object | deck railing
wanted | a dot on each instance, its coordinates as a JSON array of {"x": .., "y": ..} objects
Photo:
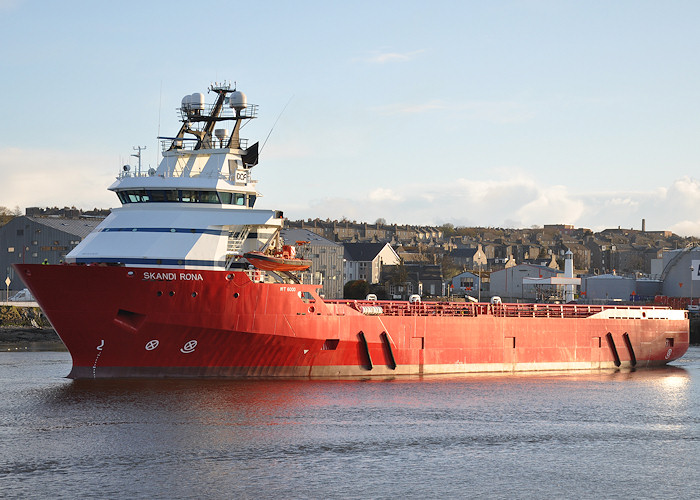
[{"x": 399, "y": 308}]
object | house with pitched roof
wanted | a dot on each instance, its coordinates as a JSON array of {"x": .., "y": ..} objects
[
  {"x": 469, "y": 258},
  {"x": 364, "y": 261}
]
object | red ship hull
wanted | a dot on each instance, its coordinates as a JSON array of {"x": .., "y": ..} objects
[{"x": 119, "y": 322}]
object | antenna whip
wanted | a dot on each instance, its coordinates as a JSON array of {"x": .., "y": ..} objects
[{"x": 273, "y": 125}]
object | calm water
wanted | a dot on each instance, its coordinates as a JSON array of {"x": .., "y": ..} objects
[{"x": 592, "y": 435}]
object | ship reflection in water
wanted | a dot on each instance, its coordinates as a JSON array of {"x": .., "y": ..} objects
[{"x": 580, "y": 435}]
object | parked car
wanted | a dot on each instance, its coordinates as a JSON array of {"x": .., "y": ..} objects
[{"x": 22, "y": 296}]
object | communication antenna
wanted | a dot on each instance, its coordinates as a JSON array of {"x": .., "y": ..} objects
[
  {"x": 273, "y": 125},
  {"x": 160, "y": 102},
  {"x": 138, "y": 155}
]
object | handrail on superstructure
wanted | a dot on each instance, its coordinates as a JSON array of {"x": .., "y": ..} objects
[
  {"x": 175, "y": 175},
  {"x": 225, "y": 113},
  {"x": 188, "y": 145}
]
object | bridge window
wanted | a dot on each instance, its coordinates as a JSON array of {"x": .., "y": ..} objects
[
  {"x": 185, "y": 196},
  {"x": 137, "y": 196},
  {"x": 167, "y": 196},
  {"x": 240, "y": 199},
  {"x": 189, "y": 196},
  {"x": 208, "y": 197}
]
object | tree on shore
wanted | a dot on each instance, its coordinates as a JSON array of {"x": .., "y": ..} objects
[
  {"x": 6, "y": 215},
  {"x": 356, "y": 289},
  {"x": 449, "y": 268}
]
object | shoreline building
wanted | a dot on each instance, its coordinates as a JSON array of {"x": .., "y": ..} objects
[{"x": 33, "y": 240}]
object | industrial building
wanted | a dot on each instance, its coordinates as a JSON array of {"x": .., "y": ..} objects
[{"x": 40, "y": 239}]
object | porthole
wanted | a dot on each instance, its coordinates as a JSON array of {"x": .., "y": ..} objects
[
  {"x": 159, "y": 293},
  {"x": 235, "y": 295},
  {"x": 171, "y": 293},
  {"x": 194, "y": 294}
]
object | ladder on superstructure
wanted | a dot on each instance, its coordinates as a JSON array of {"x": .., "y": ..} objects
[
  {"x": 235, "y": 244},
  {"x": 236, "y": 240}
]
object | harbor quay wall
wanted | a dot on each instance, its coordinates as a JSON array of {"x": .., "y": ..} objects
[
  {"x": 27, "y": 314},
  {"x": 24, "y": 327}
]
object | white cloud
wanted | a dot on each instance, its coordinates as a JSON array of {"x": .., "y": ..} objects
[
  {"x": 519, "y": 202},
  {"x": 56, "y": 178},
  {"x": 551, "y": 205},
  {"x": 686, "y": 228},
  {"x": 382, "y": 194},
  {"x": 685, "y": 191}
]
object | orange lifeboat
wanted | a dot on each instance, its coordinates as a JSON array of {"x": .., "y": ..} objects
[{"x": 285, "y": 260}]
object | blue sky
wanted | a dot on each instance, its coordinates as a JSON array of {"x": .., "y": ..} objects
[{"x": 489, "y": 113}]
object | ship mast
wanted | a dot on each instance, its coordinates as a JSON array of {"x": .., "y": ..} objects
[
  {"x": 194, "y": 112},
  {"x": 138, "y": 155}
]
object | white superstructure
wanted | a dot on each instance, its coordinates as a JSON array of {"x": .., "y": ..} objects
[{"x": 196, "y": 210}]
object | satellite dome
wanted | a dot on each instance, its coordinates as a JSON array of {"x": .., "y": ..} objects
[
  {"x": 238, "y": 100},
  {"x": 197, "y": 101}
]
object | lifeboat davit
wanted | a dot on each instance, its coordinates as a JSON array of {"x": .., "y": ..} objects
[{"x": 284, "y": 261}]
